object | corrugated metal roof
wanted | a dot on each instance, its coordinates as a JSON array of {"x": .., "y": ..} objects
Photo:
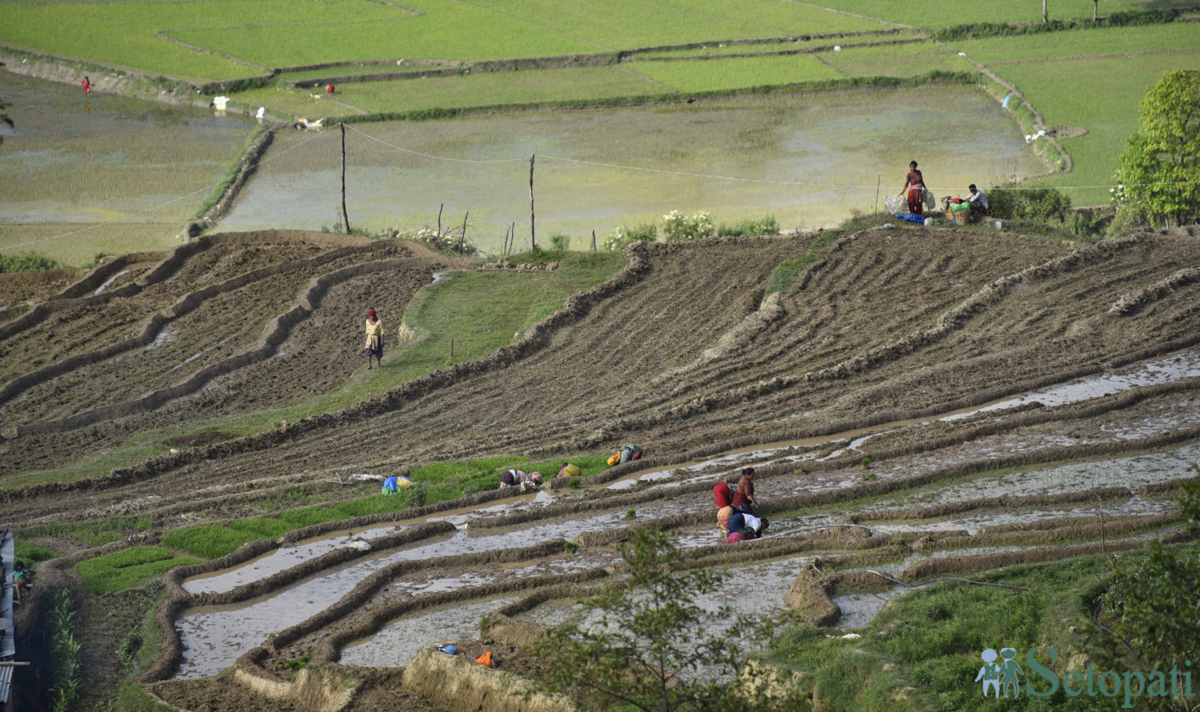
[
  {"x": 8, "y": 643},
  {"x": 6, "y": 675}
]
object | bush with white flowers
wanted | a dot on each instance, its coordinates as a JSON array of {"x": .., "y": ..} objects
[{"x": 677, "y": 227}]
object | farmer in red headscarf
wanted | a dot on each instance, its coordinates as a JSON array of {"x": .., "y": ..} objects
[
  {"x": 87, "y": 86},
  {"x": 374, "y": 348}
]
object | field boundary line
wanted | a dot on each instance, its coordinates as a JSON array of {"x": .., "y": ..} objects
[
  {"x": 1113, "y": 55},
  {"x": 624, "y": 66},
  {"x": 162, "y": 35}
]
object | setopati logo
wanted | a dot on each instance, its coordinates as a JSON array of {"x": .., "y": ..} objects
[{"x": 1001, "y": 676}]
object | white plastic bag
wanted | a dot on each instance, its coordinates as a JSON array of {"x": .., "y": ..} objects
[
  {"x": 930, "y": 201},
  {"x": 895, "y": 204}
]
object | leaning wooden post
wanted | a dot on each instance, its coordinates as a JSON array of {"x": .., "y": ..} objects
[
  {"x": 345, "y": 215},
  {"x": 532, "y": 218},
  {"x": 593, "y": 240},
  {"x": 463, "y": 237},
  {"x": 878, "y": 182}
]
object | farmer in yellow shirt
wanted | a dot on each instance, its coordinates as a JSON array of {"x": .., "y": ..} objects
[{"x": 374, "y": 348}]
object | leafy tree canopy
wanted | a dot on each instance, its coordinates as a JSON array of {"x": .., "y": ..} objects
[{"x": 1159, "y": 177}]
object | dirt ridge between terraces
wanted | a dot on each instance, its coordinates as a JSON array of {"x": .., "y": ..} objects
[
  {"x": 277, "y": 332},
  {"x": 154, "y": 325},
  {"x": 77, "y": 293},
  {"x": 954, "y": 320}
]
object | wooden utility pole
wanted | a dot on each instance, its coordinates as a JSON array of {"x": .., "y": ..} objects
[
  {"x": 345, "y": 215},
  {"x": 1045, "y": 14},
  {"x": 593, "y": 240},
  {"x": 532, "y": 217},
  {"x": 439, "y": 232}
]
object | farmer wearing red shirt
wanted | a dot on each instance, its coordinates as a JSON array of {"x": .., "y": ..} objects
[
  {"x": 914, "y": 183},
  {"x": 744, "y": 499}
]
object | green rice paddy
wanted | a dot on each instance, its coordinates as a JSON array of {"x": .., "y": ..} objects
[
  {"x": 1101, "y": 96},
  {"x": 1115, "y": 40},
  {"x": 947, "y": 13}
]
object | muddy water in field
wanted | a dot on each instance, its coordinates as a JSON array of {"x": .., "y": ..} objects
[
  {"x": 214, "y": 637},
  {"x": 397, "y": 644},
  {"x": 75, "y": 163},
  {"x": 600, "y": 169}
]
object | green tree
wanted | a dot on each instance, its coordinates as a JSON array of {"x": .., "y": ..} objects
[
  {"x": 1159, "y": 175},
  {"x": 650, "y": 647}
]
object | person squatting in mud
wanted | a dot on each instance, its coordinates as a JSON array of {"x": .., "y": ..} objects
[
  {"x": 374, "y": 347},
  {"x": 746, "y": 527},
  {"x": 629, "y": 453},
  {"x": 724, "y": 498},
  {"x": 516, "y": 478}
]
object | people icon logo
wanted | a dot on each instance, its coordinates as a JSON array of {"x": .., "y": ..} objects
[{"x": 1002, "y": 676}]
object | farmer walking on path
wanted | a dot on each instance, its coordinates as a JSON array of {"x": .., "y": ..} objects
[
  {"x": 914, "y": 183},
  {"x": 374, "y": 348}
]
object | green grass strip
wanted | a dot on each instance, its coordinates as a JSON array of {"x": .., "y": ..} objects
[
  {"x": 440, "y": 481},
  {"x": 127, "y": 567}
]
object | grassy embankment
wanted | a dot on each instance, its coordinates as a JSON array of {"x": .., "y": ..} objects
[
  {"x": 478, "y": 311},
  {"x": 923, "y": 650},
  {"x": 1071, "y": 80}
]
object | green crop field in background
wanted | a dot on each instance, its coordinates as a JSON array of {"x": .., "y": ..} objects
[
  {"x": 904, "y": 60},
  {"x": 123, "y": 33},
  {"x": 624, "y": 24},
  {"x": 735, "y": 72},
  {"x": 1076, "y": 43},
  {"x": 447, "y": 31},
  {"x": 947, "y": 13},
  {"x": 1100, "y": 95}
]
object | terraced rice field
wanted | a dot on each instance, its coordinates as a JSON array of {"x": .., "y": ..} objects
[{"x": 1018, "y": 401}]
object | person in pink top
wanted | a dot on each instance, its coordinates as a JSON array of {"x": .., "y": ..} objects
[{"x": 914, "y": 183}]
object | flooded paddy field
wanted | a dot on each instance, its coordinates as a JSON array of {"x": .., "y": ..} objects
[
  {"x": 80, "y": 176},
  {"x": 806, "y": 159}
]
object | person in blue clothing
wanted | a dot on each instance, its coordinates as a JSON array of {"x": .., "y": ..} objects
[{"x": 393, "y": 484}]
